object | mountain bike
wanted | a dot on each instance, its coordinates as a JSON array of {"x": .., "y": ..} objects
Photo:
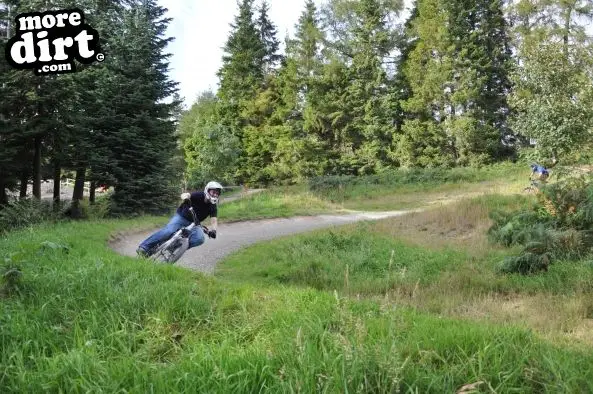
[
  {"x": 173, "y": 248},
  {"x": 533, "y": 188},
  {"x": 537, "y": 184}
]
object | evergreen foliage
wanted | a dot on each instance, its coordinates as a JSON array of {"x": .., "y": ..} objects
[
  {"x": 108, "y": 123},
  {"x": 356, "y": 90}
]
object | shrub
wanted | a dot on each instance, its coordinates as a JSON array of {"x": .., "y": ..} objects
[
  {"x": 27, "y": 212},
  {"x": 557, "y": 227},
  {"x": 528, "y": 263}
]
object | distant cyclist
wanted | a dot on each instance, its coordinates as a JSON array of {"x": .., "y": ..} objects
[{"x": 540, "y": 172}]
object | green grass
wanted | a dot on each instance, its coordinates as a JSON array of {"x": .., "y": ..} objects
[
  {"x": 369, "y": 260},
  {"x": 402, "y": 189},
  {"x": 383, "y": 306},
  {"x": 356, "y": 260},
  {"x": 351, "y": 258},
  {"x": 81, "y": 318},
  {"x": 438, "y": 261},
  {"x": 275, "y": 202},
  {"x": 391, "y": 191}
]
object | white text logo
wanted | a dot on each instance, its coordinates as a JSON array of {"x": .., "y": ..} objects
[{"x": 48, "y": 42}]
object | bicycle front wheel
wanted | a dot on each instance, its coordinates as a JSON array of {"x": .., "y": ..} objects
[{"x": 171, "y": 251}]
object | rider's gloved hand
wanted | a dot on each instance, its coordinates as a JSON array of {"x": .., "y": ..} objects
[
  {"x": 212, "y": 233},
  {"x": 185, "y": 196}
]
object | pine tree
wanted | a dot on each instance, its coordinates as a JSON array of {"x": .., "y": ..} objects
[
  {"x": 459, "y": 78},
  {"x": 369, "y": 132},
  {"x": 305, "y": 48},
  {"x": 9, "y": 145},
  {"x": 106, "y": 122},
  {"x": 241, "y": 74},
  {"x": 277, "y": 147},
  {"x": 480, "y": 85},
  {"x": 400, "y": 89},
  {"x": 144, "y": 143},
  {"x": 267, "y": 33},
  {"x": 30, "y": 110},
  {"x": 428, "y": 69}
]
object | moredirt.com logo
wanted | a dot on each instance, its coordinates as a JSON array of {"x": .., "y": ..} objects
[{"x": 48, "y": 42}]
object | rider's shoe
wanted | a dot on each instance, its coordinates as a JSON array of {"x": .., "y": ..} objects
[{"x": 142, "y": 253}]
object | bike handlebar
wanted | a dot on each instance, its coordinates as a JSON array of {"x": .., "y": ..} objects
[{"x": 196, "y": 221}]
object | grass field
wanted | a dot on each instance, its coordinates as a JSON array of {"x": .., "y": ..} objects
[
  {"x": 409, "y": 304},
  {"x": 389, "y": 192},
  {"x": 438, "y": 261}
]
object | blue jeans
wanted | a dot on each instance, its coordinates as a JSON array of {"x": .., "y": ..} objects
[{"x": 196, "y": 237}]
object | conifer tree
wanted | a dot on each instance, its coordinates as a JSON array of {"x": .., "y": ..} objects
[
  {"x": 278, "y": 149},
  {"x": 480, "y": 85},
  {"x": 400, "y": 89},
  {"x": 267, "y": 32},
  {"x": 144, "y": 143},
  {"x": 459, "y": 78},
  {"x": 9, "y": 144},
  {"x": 241, "y": 74},
  {"x": 429, "y": 68},
  {"x": 305, "y": 48}
]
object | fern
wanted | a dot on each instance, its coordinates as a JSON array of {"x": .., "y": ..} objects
[{"x": 558, "y": 227}]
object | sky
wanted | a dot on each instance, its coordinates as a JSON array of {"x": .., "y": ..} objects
[{"x": 201, "y": 28}]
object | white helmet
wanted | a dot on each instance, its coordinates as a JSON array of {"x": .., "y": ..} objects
[{"x": 212, "y": 185}]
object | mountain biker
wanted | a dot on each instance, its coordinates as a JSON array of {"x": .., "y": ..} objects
[
  {"x": 204, "y": 205},
  {"x": 541, "y": 173}
]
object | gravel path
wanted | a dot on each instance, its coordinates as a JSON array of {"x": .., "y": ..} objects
[{"x": 234, "y": 236}]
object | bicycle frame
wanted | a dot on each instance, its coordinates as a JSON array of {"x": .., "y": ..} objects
[{"x": 181, "y": 234}]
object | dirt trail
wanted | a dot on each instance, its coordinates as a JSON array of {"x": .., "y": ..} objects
[{"x": 236, "y": 235}]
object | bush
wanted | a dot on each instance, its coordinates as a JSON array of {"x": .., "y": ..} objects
[
  {"x": 28, "y": 212},
  {"x": 520, "y": 228},
  {"x": 558, "y": 226},
  {"x": 31, "y": 211},
  {"x": 528, "y": 263}
]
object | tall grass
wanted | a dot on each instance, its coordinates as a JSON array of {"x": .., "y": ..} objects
[
  {"x": 394, "y": 190},
  {"x": 403, "y": 188},
  {"x": 85, "y": 319},
  {"x": 350, "y": 187},
  {"x": 439, "y": 261},
  {"x": 18, "y": 214},
  {"x": 276, "y": 202},
  {"x": 405, "y": 176}
]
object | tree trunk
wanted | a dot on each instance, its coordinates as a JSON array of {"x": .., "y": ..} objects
[
  {"x": 92, "y": 193},
  {"x": 566, "y": 31},
  {"x": 3, "y": 194},
  {"x": 57, "y": 174},
  {"x": 37, "y": 168},
  {"x": 78, "y": 193},
  {"x": 24, "y": 183},
  {"x": 26, "y": 170}
]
